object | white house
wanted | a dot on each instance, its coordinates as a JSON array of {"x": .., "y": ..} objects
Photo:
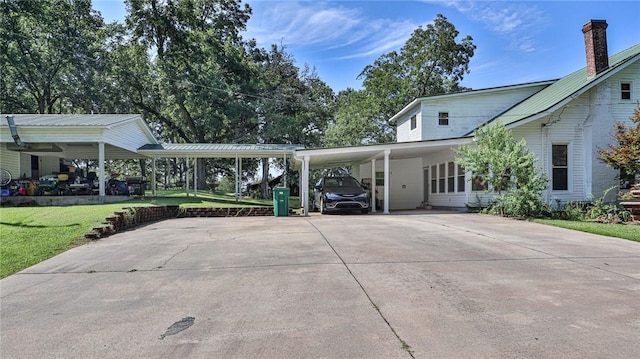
[{"x": 564, "y": 122}]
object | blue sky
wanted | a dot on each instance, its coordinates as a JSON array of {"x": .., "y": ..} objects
[{"x": 517, "y": 41}]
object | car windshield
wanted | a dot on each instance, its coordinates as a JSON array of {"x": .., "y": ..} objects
[{"x": 341, "y": 182}]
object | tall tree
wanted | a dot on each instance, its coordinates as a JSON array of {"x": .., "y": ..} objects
[
  {"x": 51, "y": 52},
  {"x": 357, "y": 121},
  {"x": 193, "y": 86},
  {"x": 295, "y": 104},
  {"x": 431, "y": 62}
]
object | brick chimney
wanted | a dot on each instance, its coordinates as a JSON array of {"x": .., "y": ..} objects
[{"x": 595, "y": 42}]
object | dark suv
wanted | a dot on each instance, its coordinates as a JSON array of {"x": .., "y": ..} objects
[{"x": 344, "y": 193}]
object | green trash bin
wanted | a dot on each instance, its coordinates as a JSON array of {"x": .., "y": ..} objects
[{"x": 281, "y": 201}]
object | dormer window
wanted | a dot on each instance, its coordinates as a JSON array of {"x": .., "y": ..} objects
[
  {"x": 625, "y": 90},
  {"x": 443, "y": 118},
  {"x": 413, "y": 122}
]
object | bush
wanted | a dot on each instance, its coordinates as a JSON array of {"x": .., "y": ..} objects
[
  {"x": 573, "y": 211},
  {"x": 603, "y": 212},
  {"x": 520, "y": 202}
]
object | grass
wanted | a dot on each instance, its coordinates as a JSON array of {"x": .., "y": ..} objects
[
  {"x": 29, "y": 235},
  {"x": 626, "y": 231}
]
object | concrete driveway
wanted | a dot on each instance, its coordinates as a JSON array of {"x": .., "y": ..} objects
[{"x": 418, "y": 284}]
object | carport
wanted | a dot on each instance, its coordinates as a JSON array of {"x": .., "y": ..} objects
[
  {"x": 213, "y": 150},
  {"x": 103, "y": 137},
  {"x": 95, "y": 137},
  {"x": 357, "y": 155}
]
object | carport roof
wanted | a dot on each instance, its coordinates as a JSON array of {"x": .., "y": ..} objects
[
  {"x": 346, "y": 156},
  {"x": 218, "y": 150},
  {"x": 78, "y": 136}
]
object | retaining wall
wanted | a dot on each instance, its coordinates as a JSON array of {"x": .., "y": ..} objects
[{"x": 131, "y": 217}]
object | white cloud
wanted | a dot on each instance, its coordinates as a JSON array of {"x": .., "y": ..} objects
[
  {"x": 326, "y": 26},
  {"x": 516, "y": 22}
]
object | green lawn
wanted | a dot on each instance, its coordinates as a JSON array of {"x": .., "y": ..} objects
[
  {"x": 626, "y": 231},
  {"x": 29, "y": 235}
]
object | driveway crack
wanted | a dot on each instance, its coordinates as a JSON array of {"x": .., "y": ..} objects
[
  {"x": 405, "y": 346},
  {"x": 175, "y": 255}
]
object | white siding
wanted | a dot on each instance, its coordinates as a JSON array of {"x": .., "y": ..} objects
[
  {"x": 49, "y": 165},
  {"x": 563, "y": 127},
  {"x": 468, "y": 112},
  {"x": 623, "y": 109},
  {"x": 10, "y": 160},
  {"x": 405, "y": 190},
  {"x": 129, "y": 136},
  {"x": 404, "y": 133}
]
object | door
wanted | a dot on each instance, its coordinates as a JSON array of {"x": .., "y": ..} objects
[{"x": 35, "y": 167}]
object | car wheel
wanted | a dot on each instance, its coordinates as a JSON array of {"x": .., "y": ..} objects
[
  {"x": 323, "y": 209},
  {"x": 364, "y": 211}
]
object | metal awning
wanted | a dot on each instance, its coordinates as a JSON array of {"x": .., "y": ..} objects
[{"x": 214, "y": 150}]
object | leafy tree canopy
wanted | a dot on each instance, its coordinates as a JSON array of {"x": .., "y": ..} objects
[{"x": 431, "y": 62}]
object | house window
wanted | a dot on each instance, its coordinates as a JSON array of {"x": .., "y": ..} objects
[
  {"x": 441, "y": 178},
  {"x": 560, "y": 167},
  {"x": 443, "y": 118},
  {"x": 478, "y": 183},
  {"x": 434, "y": 179},
  {"x": 379, "y": 178},
  {"x": 451, "y": 177},
  {"x": 460, "y": 179},
  {"x": 413, "y": 122},
  {"x": 625, "y": 90}
]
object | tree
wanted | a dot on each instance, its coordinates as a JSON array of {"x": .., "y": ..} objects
[
  {"x": 505, "y": 166},
  {"x": 294, "y": 107},
  {"x": 357, "y": 121},
  {"x": 431, "y": 62},
  {"x": 51, "y": 54},
  {"x": 189, "y": 71},
  {"x": 624, "y": 155}
]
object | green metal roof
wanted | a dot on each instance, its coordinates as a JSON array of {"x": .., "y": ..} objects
[
  {"x": 563, "y": 89},
  {"x": 217, "y": 150},
  {"x": 221, "y": 147}
]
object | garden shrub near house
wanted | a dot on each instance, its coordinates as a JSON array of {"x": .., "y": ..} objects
[{"x": 508, "y": 168}]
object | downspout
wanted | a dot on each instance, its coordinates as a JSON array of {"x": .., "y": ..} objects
[{"x": 14, "y": 133}]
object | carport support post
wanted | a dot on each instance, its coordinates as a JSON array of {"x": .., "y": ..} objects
[
  {"x": 103, "y": 176},
  {"x": 237, "y": 181},
  {"x": 386, "y": 181},
  {"x": 186, "y": 177},
  {"x": 373, "y": 185},
  {"x": 195, "y": 177},
  {"x": 304, "y": 191},
  {"x": 153, "y": 177}
]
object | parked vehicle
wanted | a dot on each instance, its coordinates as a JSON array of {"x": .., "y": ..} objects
[{"x": 336, "y": 194}]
